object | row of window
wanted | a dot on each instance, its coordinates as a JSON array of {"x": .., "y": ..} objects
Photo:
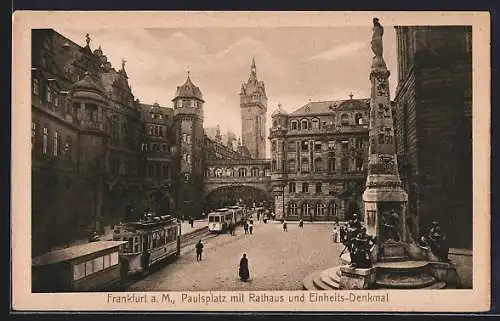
[
  {"x": 59, "y": 147},
  {"x": 319, "y": 165},
  {"x": 241, "y": 172},
  {"x": 188, "y": 103},
  {"x": 317, "y": 146},
  {"x": 154, "y": 147},
  {"x": 158, "y": 170},
  {"x": 51, "y": 94},
  {"x": 310, "y": 208},
  {"x": 158, "y": 116},
  {"x": 315, "y": 123},
  {"x": 95, "y": 265},
  {"x": 157, "y": 130}
]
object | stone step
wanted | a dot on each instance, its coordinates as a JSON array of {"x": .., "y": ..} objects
[
  {"x": 320, "y": 284},
  {"x": 394, "y": 258},
  {"x": 404, "y": 267},
  {"x": 328, "y": 280},
  {"x": 402, "y": 281},
  {"x": 435, "y": 286},
  {"x": 307, "y": 282}
]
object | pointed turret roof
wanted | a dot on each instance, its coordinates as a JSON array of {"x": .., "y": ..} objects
[
  {"x": 188, "y": 90},
  {"x": 279, "y": 111}
]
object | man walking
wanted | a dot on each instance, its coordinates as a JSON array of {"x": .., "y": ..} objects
[
  {"x": 199, "y": 250},
  {"x": 250, "y": 227},
  {"x": 285, "y": 228}
]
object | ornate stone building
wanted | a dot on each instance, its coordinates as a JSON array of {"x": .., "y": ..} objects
[
  {"x": 318, "y": 159},
  {"x": 253, "y": 104},
  {"x": 98, "y": 154},
  {"x": 433, "y": 127}
]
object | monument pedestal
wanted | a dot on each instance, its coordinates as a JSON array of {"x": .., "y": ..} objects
[
  {"x": 392, "y": 251},
  {"x": 357, "y": 278},
  {"x": 445, "y": 272}
]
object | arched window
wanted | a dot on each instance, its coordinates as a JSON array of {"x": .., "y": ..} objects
[
  {"x": 315, "y": 123},
  {"x": 230, "y": 172},
  {"x": 294, "y": 125},
  {"x": 320, "y": 209},
  {"x": 304, "y": 146},
  {"x": 254, "y": 171},
  {"x": 359, "y": 119},
  {"x": 242, "y": 172},
  {"x": 45, "y": 139},
  {"x": 318, "y": 165},
  {"x": 306, "y": 209},
  {"x": 292, "y": 209},
  {"x": 304, "y": 165},
  {"x": 218, "y": 172},
  {"x": 344, "y": 120},
  {"x": 332, "y": 209},
  {"x": 291, "y": 166},
  {"x": 304, "y": 124}
]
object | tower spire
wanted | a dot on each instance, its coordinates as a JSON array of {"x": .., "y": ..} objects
[{"x": 253, "y": 67}]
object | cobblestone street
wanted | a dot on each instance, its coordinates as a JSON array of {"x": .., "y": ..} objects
[{"x": 278, "y": 260}]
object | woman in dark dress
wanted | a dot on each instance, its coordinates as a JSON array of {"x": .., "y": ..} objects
[{"x": 244, "y": 273}]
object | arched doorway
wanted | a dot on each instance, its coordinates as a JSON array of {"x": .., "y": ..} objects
[{"x": 231, "y": 195}]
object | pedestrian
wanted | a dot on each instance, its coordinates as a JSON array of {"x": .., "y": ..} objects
[
  {"x": 245, "y": 227},
  {"x": 301, "y": 223},
  {"x": 191, "y": 221},
  {"x": 250, "y": 227},
  {"x": 335, "y": 234},
  {"x": 233, "y": 228},
  {"x": 199, "y": 250},
  {"x": 244, "y": 273},
  {"x": 285, "y": 228}
]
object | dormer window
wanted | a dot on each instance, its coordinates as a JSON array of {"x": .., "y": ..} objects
[
  {"x": 315, "y": 123},
  {"x": 359, "y": 119},
  {"x": 304, "y": 124},
  {"x": 344, "y": 120},
  {"x": 179, "y": 103},
  {"x": 294, "y": 124}
]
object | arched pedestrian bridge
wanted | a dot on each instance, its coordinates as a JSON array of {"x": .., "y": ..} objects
[{"x": 228, "y": 180}]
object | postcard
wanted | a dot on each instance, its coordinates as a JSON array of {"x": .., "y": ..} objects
[{"x": 251, "y": 161}]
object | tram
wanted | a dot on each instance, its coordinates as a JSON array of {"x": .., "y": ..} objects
[
  {"x": 220, "y": 219},
  {"x": 93, "y": 266},
  {"x": 150, "y": 240}
]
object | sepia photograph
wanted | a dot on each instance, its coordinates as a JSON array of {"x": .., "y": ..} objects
[{"x": 242, "y": 164}]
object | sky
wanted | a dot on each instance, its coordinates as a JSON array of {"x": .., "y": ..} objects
[{"x": 296, "y": 64}]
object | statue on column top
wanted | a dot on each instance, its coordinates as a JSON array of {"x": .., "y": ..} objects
[{"x": 378, "y": 32}]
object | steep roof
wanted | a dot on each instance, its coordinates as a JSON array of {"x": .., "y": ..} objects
[
  {"x": 326, "y": 107},
  {"x": 188, "y": 90}
]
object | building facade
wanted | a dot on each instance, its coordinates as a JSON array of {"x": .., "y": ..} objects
[
  {"x": 319, "y": 156},
  {"x": 253, "y": 104},
  {"x": 99, "y": 154},
  {"x": 433, "y": 125}
]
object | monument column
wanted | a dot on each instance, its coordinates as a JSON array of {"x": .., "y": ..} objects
[{"x": 384, "y": 198}]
